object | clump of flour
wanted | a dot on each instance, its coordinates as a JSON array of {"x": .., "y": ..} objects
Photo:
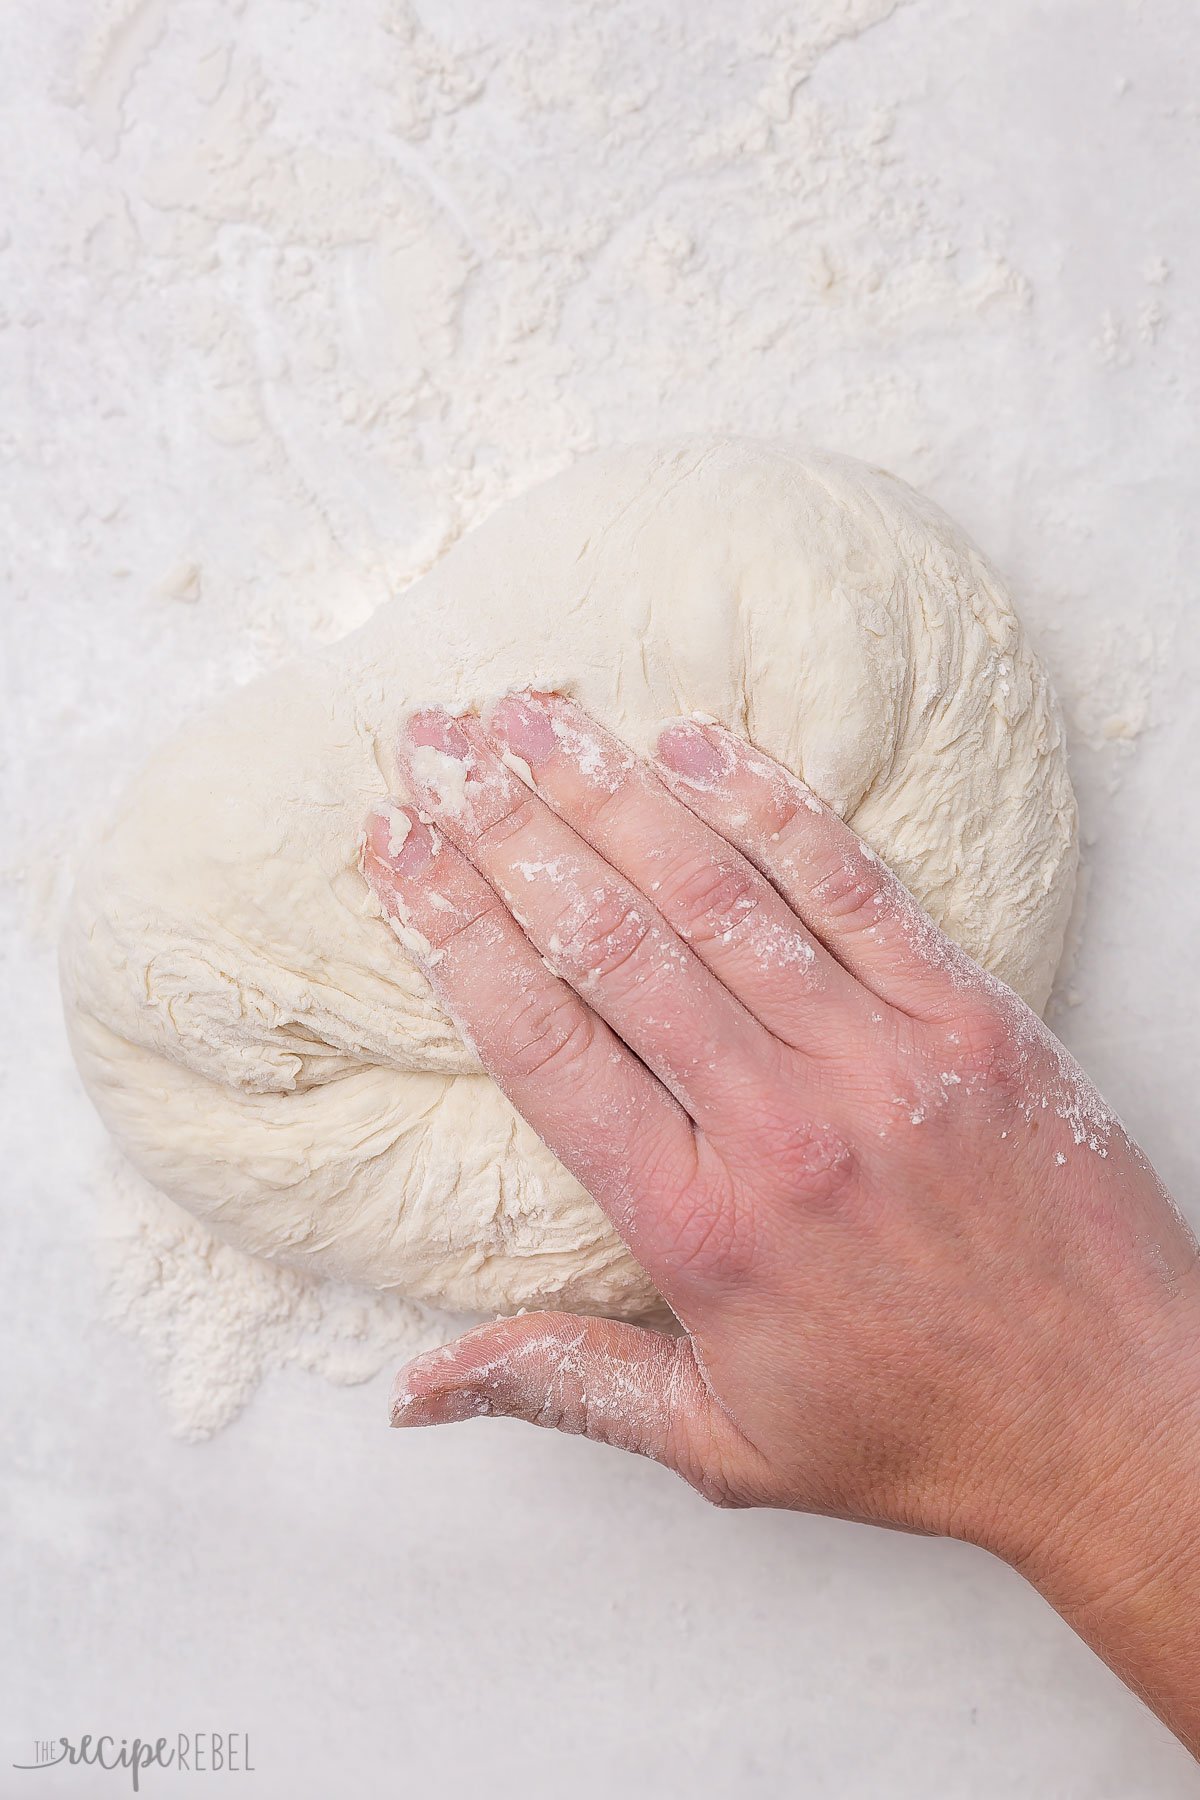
[{"x": 213, "y": 1322}]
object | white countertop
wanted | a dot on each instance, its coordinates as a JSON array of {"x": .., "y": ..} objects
[{"x": 290, "y": 294}]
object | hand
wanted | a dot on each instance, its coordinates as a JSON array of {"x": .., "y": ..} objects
[{"x": 924, "y": 1277}]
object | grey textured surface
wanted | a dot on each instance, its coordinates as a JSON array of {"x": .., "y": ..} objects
[{"x": 290, "y": 296}]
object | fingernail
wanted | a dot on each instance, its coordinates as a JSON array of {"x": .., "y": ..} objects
[
  {"x": 439, "y": 756},
  {"x": 413, "y": 1403},
  {"x": 524, "y": 727},
  {"x": 433, "y": 728},
  {"x": 686, "y": 750},
  {"x": 451, "y": 1408},
  {"x": 400, "y": 839}
]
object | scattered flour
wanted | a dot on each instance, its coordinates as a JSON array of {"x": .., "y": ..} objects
[
  {"x": 1110, "y": 706},
  {"x": 213, "y": 1321}
]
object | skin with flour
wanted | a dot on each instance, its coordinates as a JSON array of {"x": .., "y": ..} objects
[{"x": 925, "y": 1279}]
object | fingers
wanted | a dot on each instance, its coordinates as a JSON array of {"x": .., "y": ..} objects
[
  {"x": 854, "y": 905},
  {"x": 617, "y": 1384},
  {"x": 593, "y": 926},
  {"x": 729, "y": 914},
  {"x": 599, "y": 1109}
]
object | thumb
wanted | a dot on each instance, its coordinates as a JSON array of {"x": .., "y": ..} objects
[{"x": 624, "y": 1385}]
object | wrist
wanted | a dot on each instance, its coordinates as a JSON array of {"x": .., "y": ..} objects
[{"x": 1112, "y": 1540}]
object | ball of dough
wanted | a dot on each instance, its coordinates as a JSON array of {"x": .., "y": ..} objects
[{"x": 246, "y": 1022}]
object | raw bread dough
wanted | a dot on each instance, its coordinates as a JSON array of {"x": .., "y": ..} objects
[{"x": 247, "y": 1024}]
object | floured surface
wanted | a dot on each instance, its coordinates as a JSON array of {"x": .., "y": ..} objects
[
  {"x": 290, "y": 298},
  {"x": 215, "y": 1321}
]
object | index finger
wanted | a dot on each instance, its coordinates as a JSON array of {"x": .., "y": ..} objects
[{"x": 592, "y": 1102}]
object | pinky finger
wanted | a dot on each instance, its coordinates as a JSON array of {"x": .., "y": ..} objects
[{"x": 855, "y": 906}]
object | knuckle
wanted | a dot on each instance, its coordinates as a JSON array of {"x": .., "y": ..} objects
[
  {"x": 545, "y": 1032},
  {"x": 605, "y": 802},
  {"x": 782, "y": 803},
  {"x": 709, "y": 900},
  {"x": 796, "y": 822},
  {"x": 516, "y": 815},
  {"x": 713, "y": 1459},
  {"x": 474, "y": 920},
  {"x": 602, "y": 935},
  {"x": 853, "y": 891},
  {"x": 984, "y": 1052},
  {"x": 814, "y": 1164}
]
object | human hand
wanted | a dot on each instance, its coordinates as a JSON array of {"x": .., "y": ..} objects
[{"x": 925, "y": 1278}]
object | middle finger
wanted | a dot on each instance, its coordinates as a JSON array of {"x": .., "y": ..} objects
[
  {"x": 594, "y": 928},
  {"x": 719, "y": 903}
]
